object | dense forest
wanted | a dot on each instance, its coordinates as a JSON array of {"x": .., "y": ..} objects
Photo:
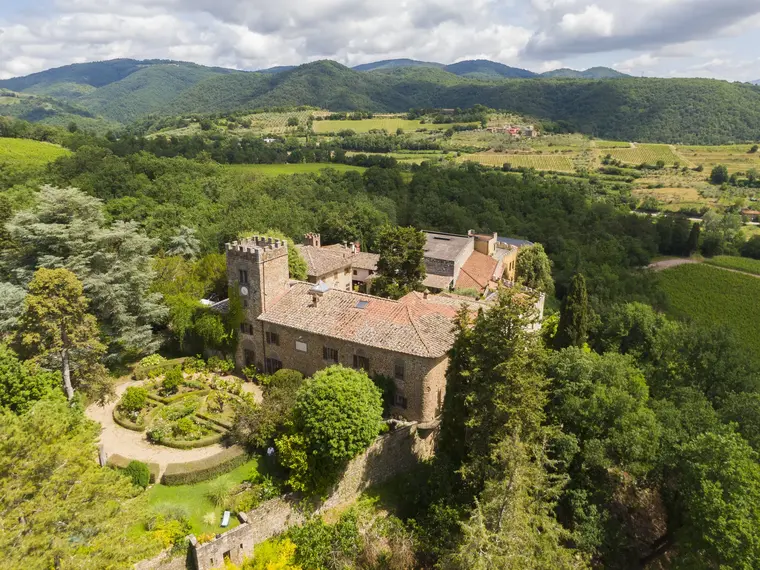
[
  {"x": 691, "y": 111},
  {"x": 615, "y": 437}
]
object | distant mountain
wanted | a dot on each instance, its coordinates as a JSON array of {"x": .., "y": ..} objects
[
  {"x": 393, "y": 63},
  {"x": 277, "y": 69},
  {"x": 755, "y": 82},
  {"x": 485, "y": 69},
  {"x": 591, "y": 73},
  {"x": 102, "y": 96}
]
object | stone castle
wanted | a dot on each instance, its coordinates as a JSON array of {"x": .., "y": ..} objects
[{"x": 307, "y": 326}]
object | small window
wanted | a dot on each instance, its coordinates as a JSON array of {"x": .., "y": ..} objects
[
  {"x": 243, "y": 277},
  {"x": 398, "y": 371},
  {"x": 301, "y": 346},
  {"x": 245, "y": 303},
  {"x": 243, "y": 327},
  {"x": 361, "y": 362},
  {"x": 356, "y": 272},
  {"x": 329, "y": 354},
  {"x": 272, "y": 365},
  {"x": 362, "y": 304},
  {"x": 401, "y": 401},
  {"x": 273, "y": 338}
]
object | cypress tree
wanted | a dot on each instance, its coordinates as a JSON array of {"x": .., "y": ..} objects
[
  {"x": 692, "y": 245},
  {"x": 573, "y": 319}
]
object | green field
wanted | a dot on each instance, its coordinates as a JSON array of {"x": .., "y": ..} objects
[
  {"x": 744, "y": 264},
  {"x": 278, "y": 169},
  {"x": 645, "y": 153},
  {"x": 194, "y": 499},
  {"x": 555, "y": 162},
  {"x": 711, "y": 296},
  {"x": 27, "y": 153},
  {"x": 612, "y": 144}
]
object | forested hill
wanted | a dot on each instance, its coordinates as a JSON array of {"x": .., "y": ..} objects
[{"x": 698, "y": 111}]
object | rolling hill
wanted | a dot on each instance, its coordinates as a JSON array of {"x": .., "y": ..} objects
[
  {"x": 591, "y": 73},
  {"x": 693, "y": 111},
  {"x": 393, "y": 63}
]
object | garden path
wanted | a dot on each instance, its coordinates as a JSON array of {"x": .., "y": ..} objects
[{"x": 132, "y": 444}]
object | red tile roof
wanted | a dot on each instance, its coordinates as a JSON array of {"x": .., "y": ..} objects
[{"x": 477, "y": 272}]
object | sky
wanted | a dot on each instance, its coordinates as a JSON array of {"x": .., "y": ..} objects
[{"x": 664, "y": 38}]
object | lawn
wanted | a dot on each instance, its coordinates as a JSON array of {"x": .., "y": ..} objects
[
  {"x": 744, "y": 264},
  {"x": 712, "y": 296},
  {"x": 28, "y": 153},
  {"x": 194, "y": 499},
  {"x": 278, "y": 169}
]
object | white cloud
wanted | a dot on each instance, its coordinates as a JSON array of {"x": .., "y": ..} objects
[{"x": 252, "y": 34}]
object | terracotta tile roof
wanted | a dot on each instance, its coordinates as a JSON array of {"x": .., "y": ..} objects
[
  {"x": 437, "y": 281},
  {"x": 321, "y": 261},
  {"x": 365, "y": 260},
  {"x": 410, "y": 326},
  {"x": 477, "y": 272}
]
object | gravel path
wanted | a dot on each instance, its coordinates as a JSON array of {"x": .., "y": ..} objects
[
  {"x": 668, "y": 263},
  {"x": 132, "y": 444}
]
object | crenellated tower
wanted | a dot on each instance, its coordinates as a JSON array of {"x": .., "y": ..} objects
[{"x": 258, "y": 268}]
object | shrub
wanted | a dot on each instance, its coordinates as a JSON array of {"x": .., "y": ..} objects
[
  {"x": 250, "y": 373},
  {"x": 159, "y": 431},
  {"x": 337, "y": 414},
  {"x": 204, "y": 469},
  {"x": 194, "y": 443},
  {"x": 133, "y": 400},
  {"x": 210, "y": 518},
  {"x": 186, "y": 428},
  {"x": 172, "y": 380},
  {"x": 139, "y": 473},
  {"x": 127, "y": 423},
  {"x": 120, "y": 462},
  {"x": 219, "y": 491},
  {"x": 170, "y": 532},
  {"x": 194, "y": 364},
  {"x": 151, "y": 360},
  {"x": 146, "y": 372},
  {"x": 215, "y": 403},
  {"x": 220, "y": 365},
  {"x": 180, "y": 409}
]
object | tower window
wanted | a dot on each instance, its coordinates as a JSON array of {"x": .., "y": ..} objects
[
  {"x": 243, "y": 276},
  {"x": 398, "y": 371},
  {"x": 273, "y": 338}
]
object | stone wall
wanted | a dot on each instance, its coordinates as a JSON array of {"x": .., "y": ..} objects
[
  {"x": 390, "y": 455},
  {"x": 165, "y": 561},
  {"x": 233, "y": 545}
]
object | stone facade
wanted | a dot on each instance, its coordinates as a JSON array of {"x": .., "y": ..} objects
[
  {"x": 419, "y": 390},
  {"x": 341, "y": 279},
  {"x": 509, "y": 261}
]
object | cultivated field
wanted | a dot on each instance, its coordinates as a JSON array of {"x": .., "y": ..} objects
[
  {"x": 553, "y": 162},
  {"x": 390, "y": 124},
  {"x": 645, "y": 153},
  {"x": 715, "y": 297},
  {"x": 28, "y": 153},
  {"x": 736, "y": 157},
  {"x": 674, "y": 198},
  {"x": 745, "y": 264},
  {"x": 612, "y": 144},
  {"x": 278, "y": 169}
]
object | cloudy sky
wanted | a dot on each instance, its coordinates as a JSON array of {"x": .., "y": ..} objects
[{"x": 706, "y": 38}]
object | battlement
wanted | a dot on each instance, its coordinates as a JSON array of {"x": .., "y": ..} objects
[{"x": 259, "y": 248}]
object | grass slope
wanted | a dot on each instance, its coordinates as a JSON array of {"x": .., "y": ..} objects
[
  {"x": 25, "y": 153},
  {"x": 194, "y": 499},
  {"x": 713, "y": 296}
]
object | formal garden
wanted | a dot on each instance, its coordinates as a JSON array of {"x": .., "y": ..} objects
[{"x": 182, "y": 403}]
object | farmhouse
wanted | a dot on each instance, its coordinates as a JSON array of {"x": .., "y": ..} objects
[
  {"x": 341, "y": 266},
  {"x": 308, "y": 326}
]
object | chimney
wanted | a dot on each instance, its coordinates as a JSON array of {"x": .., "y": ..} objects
[
  {"x": 317, "y": 291},
  {"x": 353, "y": 247},
  {"x": 312, "y": 239},
  {"x": 425, "y": 294}
]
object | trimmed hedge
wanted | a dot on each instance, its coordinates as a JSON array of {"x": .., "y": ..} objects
[
  {"x": 192, "y": 443},
  {"x": 142, "y": 372},
  {"x": 120, "y": 462},
  {"x": 176, "y": 397},
  {"x": 204, "y": 469},
  {"x": 124, "y": 422},
  {"x": 220, "y": 423}
]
